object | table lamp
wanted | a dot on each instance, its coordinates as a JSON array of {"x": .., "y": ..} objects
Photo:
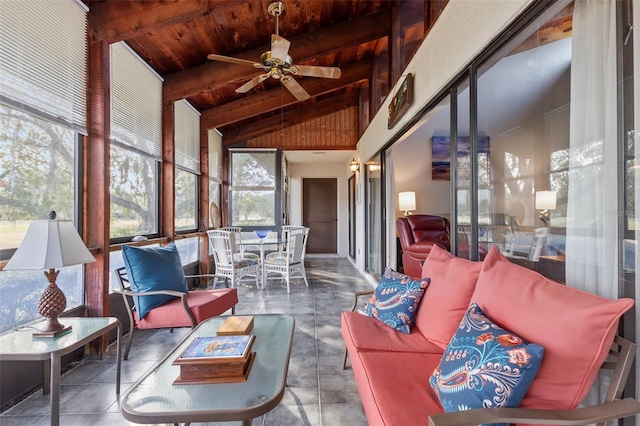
[
  {"x": 545, "y": 201},
  {"x": 50, "y": 244},
  {"x": 407, "y": 202}
]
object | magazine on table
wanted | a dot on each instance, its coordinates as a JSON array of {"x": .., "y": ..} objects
[{"x": 217, "y": 349}]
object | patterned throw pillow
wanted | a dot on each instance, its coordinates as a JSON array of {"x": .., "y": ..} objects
[
  {"x": 396, "y": 300},
  {"x": 484, "y": 366}
]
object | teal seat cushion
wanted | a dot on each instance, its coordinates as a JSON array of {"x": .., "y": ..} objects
[{"x": 152, "y": 269}]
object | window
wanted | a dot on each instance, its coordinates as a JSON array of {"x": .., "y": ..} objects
[
  {"x": 136, "y": 118},
  {"x": 42, "y": 113},
  {"x": 215, "y": 168},
  {"x": 187, "y": 146},
  {"x": 186, "y": 199},
  {"x": 252, "y": 193},
  {"x": 374, "y": 211}
]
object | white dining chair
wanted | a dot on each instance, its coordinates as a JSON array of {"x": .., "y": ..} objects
[
  {"x": 236, "y": 238},
  {"x": 290, "y": 262},
  {"x": 231, "y": 265}
]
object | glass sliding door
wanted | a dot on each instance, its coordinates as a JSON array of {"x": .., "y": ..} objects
[
  {"x": 523, "y": 98},
  {"x": 352, "y": 216},
  {"x": 374, "y": 206},
  {"x": 461, "y": 158}
]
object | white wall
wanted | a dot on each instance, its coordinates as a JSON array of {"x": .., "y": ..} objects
[
  {"x": 461, "y": 32},
  {"x": 299, "y": 171}
]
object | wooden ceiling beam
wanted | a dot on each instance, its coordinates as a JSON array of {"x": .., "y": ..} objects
[
  {"x": 114, "y": 21},
  {"x": 254, "y": 105},
  {"x": 290, "y": 118},
  {"x": 304, "y": 47}
]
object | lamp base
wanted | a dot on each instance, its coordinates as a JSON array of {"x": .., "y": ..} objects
[
  {"x": 51, "y": 304},
  {"x": 45, "y": 332}
]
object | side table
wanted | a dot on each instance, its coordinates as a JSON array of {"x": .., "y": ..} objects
[{"x": 21, "y": 345}]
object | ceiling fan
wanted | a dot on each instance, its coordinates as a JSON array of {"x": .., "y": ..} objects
[{"x": 277, "y": 63}]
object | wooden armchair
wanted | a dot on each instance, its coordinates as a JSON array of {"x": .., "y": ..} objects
[{"x": 186, "y": 310}]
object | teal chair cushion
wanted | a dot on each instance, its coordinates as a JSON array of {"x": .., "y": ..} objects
[{"x": 150, "y": 269}]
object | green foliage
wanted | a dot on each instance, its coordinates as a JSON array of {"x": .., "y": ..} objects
[{"x": 36, "y": 167}]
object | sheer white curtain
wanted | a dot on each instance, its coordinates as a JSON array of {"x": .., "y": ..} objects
[
  {"x": 636, "y": 97},
  {"x": 390, "y": 208},
  {"x": 592, "y": 238},
  {"x": 591, "y": 254}
]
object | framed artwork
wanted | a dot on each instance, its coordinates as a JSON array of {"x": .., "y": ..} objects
[
  {"x": 401, "y": 101},
  {"x": 441, "y": 154}
]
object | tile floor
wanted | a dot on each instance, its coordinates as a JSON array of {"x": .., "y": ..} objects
[{"x": 319, "y": 392}]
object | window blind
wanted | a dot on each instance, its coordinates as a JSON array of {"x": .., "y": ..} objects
[
  {"x": 215, "y": 155},
  {"x": 136, "y": 102},
  {"x": 187, "y": 135},
  {"x": 43, "y": 58}
]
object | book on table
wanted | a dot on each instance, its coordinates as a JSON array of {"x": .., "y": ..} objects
[
  {"x": 236, "y": 324},
  {"x": 216, "y": 359}
]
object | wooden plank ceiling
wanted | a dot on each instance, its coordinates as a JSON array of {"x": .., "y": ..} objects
[{"x": 175, "y": 37}]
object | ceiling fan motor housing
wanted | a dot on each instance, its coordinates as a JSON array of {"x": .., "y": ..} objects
[{"x": 269, "y": 62}]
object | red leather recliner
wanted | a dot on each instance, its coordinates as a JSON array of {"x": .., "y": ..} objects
[{"x": 418, "y": 233}]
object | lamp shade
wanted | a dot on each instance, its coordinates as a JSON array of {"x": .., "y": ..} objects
[
  {"x": 407, "y": 201},
  {"x": 545, "y": 200},
  {"x": 50, "y": 244}
]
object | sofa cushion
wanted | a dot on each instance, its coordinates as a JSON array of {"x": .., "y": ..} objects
[
  {"x": 484, "y": 366},
  {"x": 448, "y": 295},
  {"x": 151, "y": 269},
  {"x": 396, "y": 300},
  {"x": 575, "y": 328},
  {"x": 393, "y": 387},
  {"x": 204, "y": 304},
  {"x": 361, "y": 332}
]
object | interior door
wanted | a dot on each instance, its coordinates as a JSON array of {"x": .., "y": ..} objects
[{"x": 320, "y": 214}]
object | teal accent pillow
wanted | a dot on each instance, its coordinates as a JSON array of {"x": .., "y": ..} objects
[
  {"x": 153, "y": 268},
  {"x": 484, "y": 366},
  {"x": 396, "y": 300}
]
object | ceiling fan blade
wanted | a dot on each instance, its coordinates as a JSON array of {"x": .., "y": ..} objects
[
  {"x": 252, "y": 83},
  {"x": 313, "y": 71},
  {"x": 294, "y": 87},
  {"x": 214, "y": 57},
  {"x": 279, "y": 47}
]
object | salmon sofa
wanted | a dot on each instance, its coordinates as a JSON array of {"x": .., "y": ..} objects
[{"x": 393, "y": 369}]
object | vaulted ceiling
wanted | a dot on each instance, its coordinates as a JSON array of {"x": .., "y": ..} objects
[{"x": 371, "y": 41}]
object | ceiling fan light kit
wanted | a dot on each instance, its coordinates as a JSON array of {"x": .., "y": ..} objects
[{"x": 277, "y": 64}]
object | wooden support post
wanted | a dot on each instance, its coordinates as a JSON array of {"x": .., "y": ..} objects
[
  {"x": 96, "y": 179},
  {"x": 167, "y": 183}
]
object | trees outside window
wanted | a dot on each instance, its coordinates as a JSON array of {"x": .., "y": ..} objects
[
  {"x": 252, "y": 193},
  {"x": 37, "y": 162}
]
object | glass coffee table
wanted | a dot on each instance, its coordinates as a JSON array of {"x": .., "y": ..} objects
[{"x": 155, "y": 399}]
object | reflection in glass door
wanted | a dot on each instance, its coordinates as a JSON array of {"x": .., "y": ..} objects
[
  {"x": 352, "y": 216},
  {"x": 373, "y": 172}
]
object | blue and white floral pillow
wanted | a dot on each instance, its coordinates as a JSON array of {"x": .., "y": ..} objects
[
  {"x": 484, "y": 366},
  {"x": 396, "y": 300}
]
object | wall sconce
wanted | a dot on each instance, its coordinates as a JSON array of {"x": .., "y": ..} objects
[
  {"x": 545, "y": 201},
  {"x": 354, "y": 166},
  {"x": 407, "y": 202}
]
